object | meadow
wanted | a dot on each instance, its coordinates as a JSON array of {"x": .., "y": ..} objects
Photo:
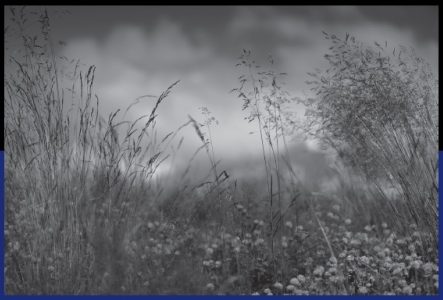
[{"x": 85, "y": 212}]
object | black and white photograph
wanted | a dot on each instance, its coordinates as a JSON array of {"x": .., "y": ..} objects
[{"x": 221, "y": 150}]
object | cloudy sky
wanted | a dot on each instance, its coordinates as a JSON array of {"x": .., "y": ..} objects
[{"x": 142, "y": 50}]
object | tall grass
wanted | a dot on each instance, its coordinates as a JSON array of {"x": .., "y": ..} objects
[
  {"x": 75, "y": 181},
  {"x": 378, "y": 108},
  {"x": 266, "y": 101}
]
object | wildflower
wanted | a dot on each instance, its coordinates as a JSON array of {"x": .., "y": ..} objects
[
  {"x": 384, "y": 225},
  {"x": 348, "y": 221},
  {"x": 226, "y": 236},
  {"x": 402, "y": 283},
  {"x": 400, "y": 242},
  {"x": 364, "y": 260},
  {"x": 290, "y": 288},
  {"x": 267, "y": 291},
  {"x": 288, "y": 224},
  {"x": 368, "y": 228},
  {"x": 51, "y": 269},
  {"x": 298, "y": 292},
  {"x": 301, "y": 278},
  {"x": 255, "y": 294},
  {"x": 278, "y": 286},
  {"x": 210, "y": 286},
  {"x": 259, "y": 241},
  {"x": 407, "y": 290},
  {"x": 428, "y": 268},
  {"x": 416, "y": 264},
  {"x": 387, "y": 265},
  {"x": 294, "y": 281},
  {"x": 218, "y": 264},
  {"x": 336, "y": 207},
  {"x": 333, "y": 260},
  {"x": 319, "y": 270},
  {"x": 350, "y": 257},
  {"x": 362, "y": 290},
  {"x": 355, "y": 242},
  {"x": 16, "y": 246}
]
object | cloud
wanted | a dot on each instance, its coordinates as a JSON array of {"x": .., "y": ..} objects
[
  {"x": 133, "y": 61},
  {"x": 165, "y": 47}
]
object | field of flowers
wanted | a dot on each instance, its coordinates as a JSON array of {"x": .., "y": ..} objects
[
  {"x": 370, "y": 259},
  {"x": 328, "y": 252}
]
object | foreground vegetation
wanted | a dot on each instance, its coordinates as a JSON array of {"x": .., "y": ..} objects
[{"x": 85, "y": 213}]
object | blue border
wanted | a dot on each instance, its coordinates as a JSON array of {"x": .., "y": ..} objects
[
  {"x": 2, "y": 214},
  {"x": 2, "y": 292}
]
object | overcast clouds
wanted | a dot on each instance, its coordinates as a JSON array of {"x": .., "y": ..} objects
[{"x": 142, "y": 50}]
